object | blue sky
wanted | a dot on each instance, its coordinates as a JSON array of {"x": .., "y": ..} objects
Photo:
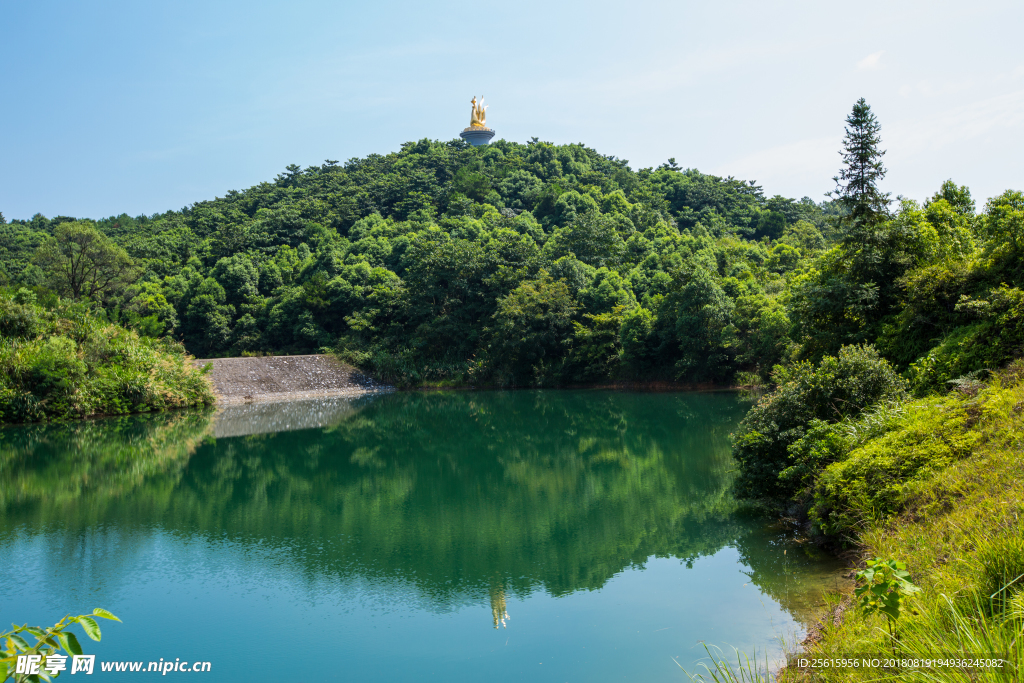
[{"x": 135, "y": 107}]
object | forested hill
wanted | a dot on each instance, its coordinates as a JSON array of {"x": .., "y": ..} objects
[{"x": 518, "y": 264}]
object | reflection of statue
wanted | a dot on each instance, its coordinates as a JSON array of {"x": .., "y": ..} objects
[
  {"x": 499, "y": 613},
  {"x": 478, "y": 119}
]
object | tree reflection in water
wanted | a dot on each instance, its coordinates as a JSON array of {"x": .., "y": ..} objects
[{"x": 467, "y": 496}]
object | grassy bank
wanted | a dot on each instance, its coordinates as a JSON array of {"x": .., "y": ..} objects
[
  {"x": 931, "y": 484},
  {"x": 941, "y": 491},
  {"x": 61, "y": 362}
]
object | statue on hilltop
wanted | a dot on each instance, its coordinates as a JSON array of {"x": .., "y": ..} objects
[
  {"x": 478, "y": 133},
  {"x": 478, "y": 119}
]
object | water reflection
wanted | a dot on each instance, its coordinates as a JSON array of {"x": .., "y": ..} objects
[
  {"x": 464, "y": 497},
  {"x": 50, "y": 467},
  {"x": 243, "y": 419},
  {"x": 499, "y": 608}
]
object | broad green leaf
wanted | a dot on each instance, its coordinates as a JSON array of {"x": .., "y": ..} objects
[
  {"x": 3, "y": 671},
  {"x": 37, "y": 632},
  {"x": 91, "y": 628},
  {"x": 104, "y": 614},
  {"x": 70, "y": 641},
  {"x": 19, "y": 642}
]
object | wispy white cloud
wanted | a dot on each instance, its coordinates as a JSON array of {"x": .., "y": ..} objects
[
  {"x": 871, "y": 62},
  {"x": 806, "y": 163},
  {"x": 957, "y": 125}
]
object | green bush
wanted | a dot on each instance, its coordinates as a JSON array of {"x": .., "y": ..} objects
[
  {"x": 993, "y": 336},
  {"x": 827, "y": 442},
  {"x": 40, "y": 376},
  {"x": 822, "y": 444},
  {"x": 65, "y": 363},
  {"x": 839, "y": 387},
  {"x": 878, "y": 477},
  {"x": 874, "y": 480},
  {"x": 18, "y": 319}
]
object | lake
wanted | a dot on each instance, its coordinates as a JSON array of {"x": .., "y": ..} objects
[{"x": 444, "y": 536}]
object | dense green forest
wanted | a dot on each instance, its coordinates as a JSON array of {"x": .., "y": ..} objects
[
  {"x": 537, "y": 264},
  {"x": 540, "y": 264},
  {"x": 509, "y": 264}
]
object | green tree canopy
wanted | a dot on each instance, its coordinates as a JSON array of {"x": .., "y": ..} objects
[
  {"x": 857, "y": 183},
  {"x": 82, "y": 262}
]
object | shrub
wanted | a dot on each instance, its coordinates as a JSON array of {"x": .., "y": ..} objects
[
  {"x": 993, "y": 337},
  {"x": 827, "y": 442},
  {"x": 43, "y": 376},
  {"x": 838, "y": 387},
  {"x": 875, "y": 479},
  {"x": 18, "y": 319},
  {"x": 67, "y": 364}
]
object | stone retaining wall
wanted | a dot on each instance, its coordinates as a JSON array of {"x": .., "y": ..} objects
[{"x": 285, "y": 378}]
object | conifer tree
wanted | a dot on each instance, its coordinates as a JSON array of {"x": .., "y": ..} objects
[{"x": 857, "y": 183}]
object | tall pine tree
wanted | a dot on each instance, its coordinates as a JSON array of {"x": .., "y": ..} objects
[{"x": 857, "y": 183}]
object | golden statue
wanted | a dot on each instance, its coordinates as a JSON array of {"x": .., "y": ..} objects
[{"x": 478, "y": 119}]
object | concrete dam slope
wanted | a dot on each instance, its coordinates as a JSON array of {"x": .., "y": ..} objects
[{"x": 285, "y": 378}]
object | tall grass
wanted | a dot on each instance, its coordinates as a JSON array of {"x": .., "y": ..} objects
[
  {"x": 721, "y": 670},
  {"x": 960, "y": 531}
]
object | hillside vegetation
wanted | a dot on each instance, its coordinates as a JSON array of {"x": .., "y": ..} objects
[
  {"x": 510, "y": 264},
  {"x": 538, "y": 264},
  {"x": 933, "y": 483},
  {"x": 62, "y": 362}
]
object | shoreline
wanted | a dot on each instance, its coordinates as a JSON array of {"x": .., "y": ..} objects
[
  {"x": 289, "y": 396},
  {"x": 650, "y": 386},
  {"x": 249, "y": 379}
]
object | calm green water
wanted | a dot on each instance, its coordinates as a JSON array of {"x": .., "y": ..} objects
[{"x": 542, "y": 536}]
